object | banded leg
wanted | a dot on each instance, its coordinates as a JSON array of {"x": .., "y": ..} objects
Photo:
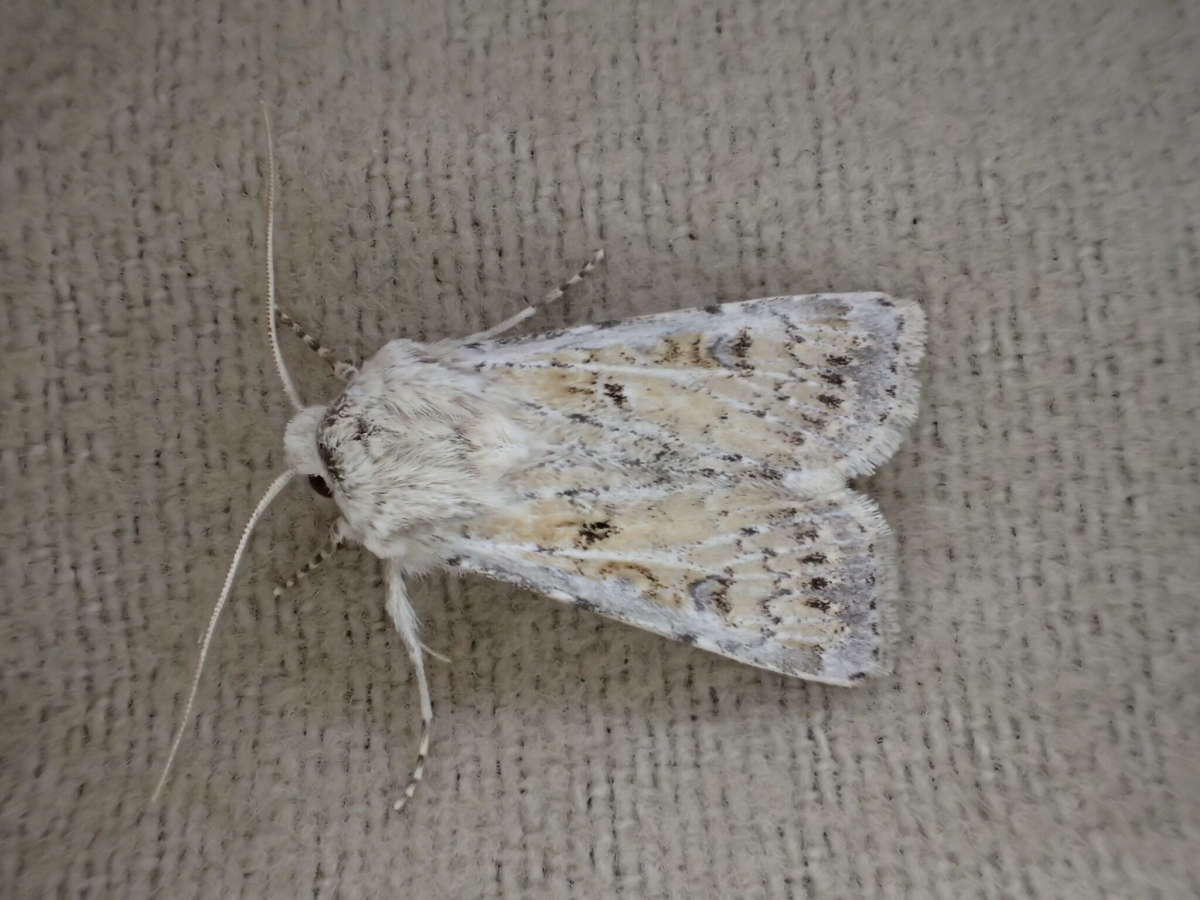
[
  {"x": 336, "y": 540},
  {"x": 515, "y": 320},
  {"x": 405, "y": 620},
  {"x": 342, "y": 370}
]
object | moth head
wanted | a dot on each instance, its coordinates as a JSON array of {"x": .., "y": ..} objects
[{"x": 300, "y": 448}]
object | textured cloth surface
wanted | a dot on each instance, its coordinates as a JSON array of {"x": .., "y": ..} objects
[{"x": 1027, "y": 170}]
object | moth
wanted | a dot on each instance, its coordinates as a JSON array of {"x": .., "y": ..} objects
[{"x": 686, "y": 472}]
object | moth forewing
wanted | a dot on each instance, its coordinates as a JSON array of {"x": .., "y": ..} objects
[{"x": 697, "y": 485}]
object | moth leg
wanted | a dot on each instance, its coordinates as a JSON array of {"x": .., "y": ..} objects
[
  {"x": 514, "y": 320},
  {"x": 440, "y": 657},
  {"x": 336, "y": 541},
  {"x": 405, "y": 620},
  {"x": 342, "y": 370}
]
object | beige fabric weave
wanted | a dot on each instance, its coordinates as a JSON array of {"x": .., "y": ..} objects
[{"x": 1029, "y": 170}]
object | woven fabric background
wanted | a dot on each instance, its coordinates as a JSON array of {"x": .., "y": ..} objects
[{"x": 1029, "y": 170}]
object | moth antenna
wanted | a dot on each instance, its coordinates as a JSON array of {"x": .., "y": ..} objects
[
  {"x": 514, "y": 320},
  {"x": 288, "y": 386},
  {"x": 342, "y": 370},
  {"x": 406, "y": 623},
  {"x": 335, "y": 543},
  {"x": 272, "y": 492}
]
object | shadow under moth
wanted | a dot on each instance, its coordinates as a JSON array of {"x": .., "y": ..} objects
[{"x": 686, "y": 472}]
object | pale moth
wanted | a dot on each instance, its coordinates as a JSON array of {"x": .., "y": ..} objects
[{"x": 685, "y": 472}]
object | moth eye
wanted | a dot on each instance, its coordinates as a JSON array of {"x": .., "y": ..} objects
[{"x": 317, "y": 483}]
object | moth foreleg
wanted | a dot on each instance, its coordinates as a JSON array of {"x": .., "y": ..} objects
[
  {"x": 342, "y": 370},
  {"x": 336, "y": 540}
]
